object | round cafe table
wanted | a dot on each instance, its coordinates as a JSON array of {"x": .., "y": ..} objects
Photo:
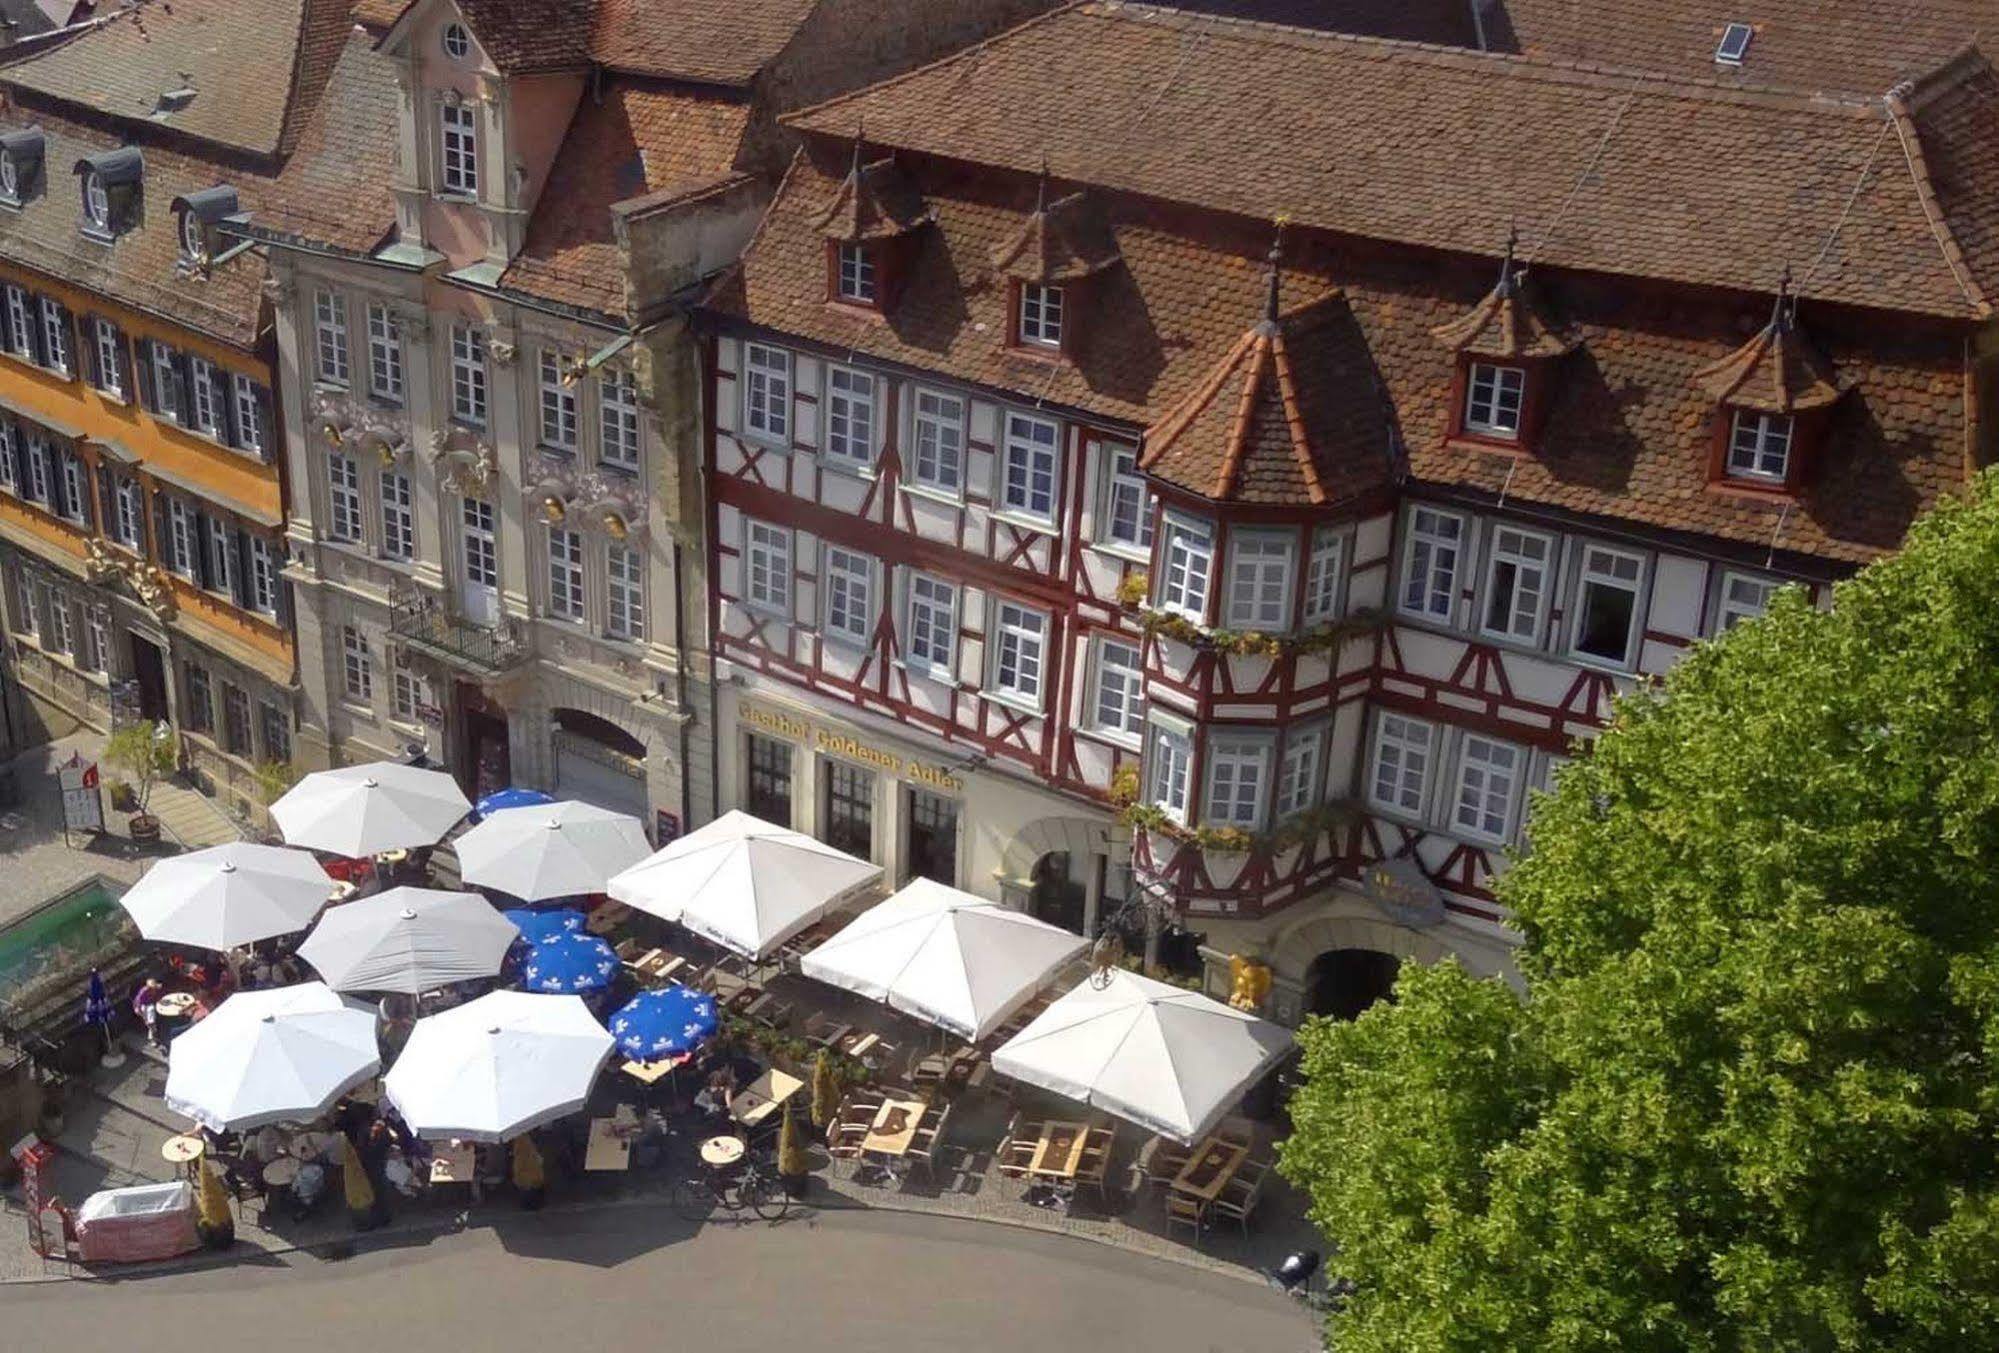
[
  {"x": 176, "y": 1004},
  {"x": 281, "y": 1172},
  {"x": 183, "y": 1152},
  {"x": 722, "y": 1150}
]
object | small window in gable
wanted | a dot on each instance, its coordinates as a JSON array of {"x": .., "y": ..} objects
[
  {"x": 1759, "y": 446},
  {"x": 20, "y": 165},
  {"x": 200, "y": 213},
  {"x": 110, "y": 187},
  {"x": 1773, "y": 400},
  {"x": 1040, "y": 316},
  {"x": 457, "y": 43},
  {"x": 1506, "y": 348},
  {"x": 1493, "y": 399},
  {"x": 854, "y": 275}
]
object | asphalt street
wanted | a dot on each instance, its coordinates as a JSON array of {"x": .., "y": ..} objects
[{"x": 640, "y": 1279}]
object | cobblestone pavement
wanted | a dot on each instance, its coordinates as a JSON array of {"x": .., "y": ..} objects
[{"x": 37, "y": 861}]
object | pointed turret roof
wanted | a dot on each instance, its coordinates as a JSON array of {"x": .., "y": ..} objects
[
  {"x": 1060, "y": 241},
  {"x": 1511, "y": 324},
  {"x": 1777, "y": 370},
  {"x": 874, "y": 202}
]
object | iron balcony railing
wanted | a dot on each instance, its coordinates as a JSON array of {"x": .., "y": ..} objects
[{"x": 422, "y": 623}]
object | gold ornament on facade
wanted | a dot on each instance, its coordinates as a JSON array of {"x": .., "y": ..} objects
[
  {"x": 614, "y": 526},
  {"x": 553, "y": 509},
  {"x": 1249, "y": 983}
]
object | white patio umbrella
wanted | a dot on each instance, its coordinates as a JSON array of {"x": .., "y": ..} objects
[
  {"x": 367, "y": 809},
  {"x": 271, "y": 1056},
  {"x": 743, "y": 883},
  {"x": 944, "y": 956},
  {"x": 1165, "y": 1058},
  {"x": 550, "y": 850},
  {"x": 228, "y": 895},
  {"x": 495, "y": 1067},
  {"x": 410, "y": 940}
]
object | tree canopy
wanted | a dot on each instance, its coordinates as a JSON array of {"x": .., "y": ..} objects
[{"x": 1748, "y": 1102}]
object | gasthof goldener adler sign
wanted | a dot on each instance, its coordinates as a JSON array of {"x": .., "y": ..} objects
[{"x": 1401, "y": 889}]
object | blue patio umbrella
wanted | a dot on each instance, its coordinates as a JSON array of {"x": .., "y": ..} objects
[
  {"x": 509, "y": 798},
  {"x": 539, "y": 926},
  {"x": 669, "y": 1022},
  {"x": 97, "y": 1010},
  {"x": 569, "y": 964}
]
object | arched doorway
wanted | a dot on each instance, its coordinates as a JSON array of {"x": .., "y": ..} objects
[
  {"x": 598, "y": 762},
  {"x": 1053, "y": 895},
  {"x": 1344, "y": 982}
]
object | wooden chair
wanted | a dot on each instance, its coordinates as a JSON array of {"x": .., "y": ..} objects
[
  {"x": 843, "y": 1140},
  {"x": 1159, "y": 1163},
  {"x": 822, "y": 1029},
  {"x": 929, "y": 1140},
  {"x": 1240, "y": 1195},
  {"x": 1184, "y": 1211}
]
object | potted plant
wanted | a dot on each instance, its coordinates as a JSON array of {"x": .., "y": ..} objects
[
  {"x": 123, "y": 800},
  {"x": 825, "y": 1090},
  {"x": 794, "y": 1166},
  {"x": 144, "y": 752}
]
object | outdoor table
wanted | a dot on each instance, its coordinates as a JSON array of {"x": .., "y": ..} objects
[
  {"x": 722, "y": 1150},
  {"x": 176, "y": 1004},
  {"x": 644, "y": 962},
  {"x": 892, "y": 1131},
  {"x": 453, "y": 1165},
  {"x": 342, "y": 892},
  {"x": 183, "y": 1153},
  {"x": 830, "y": 1038},
  {"x": 1057, "y": 1156},
  {"x": 280, "y": 1173},
  {"x": 1208, "y": 1171},
  {"x": 855, "y": 1047},
  {"x": 649, "y": 1073},
  {"x": 762, "y": 1097},
  {"x": 609, "y": 1148}
]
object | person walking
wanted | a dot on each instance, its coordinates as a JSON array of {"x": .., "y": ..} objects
[{"x": 146, "y": 1005}]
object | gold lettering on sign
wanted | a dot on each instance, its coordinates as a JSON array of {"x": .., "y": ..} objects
[{"x": 848, "y": 746}]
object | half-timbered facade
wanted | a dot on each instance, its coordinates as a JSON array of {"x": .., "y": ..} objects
[{"x": 1261, "y": 506}]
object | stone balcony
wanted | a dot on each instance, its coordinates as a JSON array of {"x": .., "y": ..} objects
[{"x": 422, "y": 623}]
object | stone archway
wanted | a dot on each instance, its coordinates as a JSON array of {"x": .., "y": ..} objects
[
  {"x": 1351, "y": 924},
  {"x": 1343, "y": 983},
  {"x": 1024, "y": 862}
]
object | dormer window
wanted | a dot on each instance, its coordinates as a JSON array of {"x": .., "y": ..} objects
[
  {"x": 1759, "y": 446},
  {"x": 109, "y": 183},
  {"x": 20, "y": 165},
  {"x": 854, "y": 274},
  {"x": 193, "y": 238},
  {"x": 10, "y": 178},
  {"x": 199, "y": 213},
  {"x": 870, "y": 227},
  {"x": 96, "y": 202},
  {"x": 457, "y": 43},
  {"x": 1493, "y": 399},
  {"x": 1040, "y": 316},
  {"x": 458, "y": 147}
]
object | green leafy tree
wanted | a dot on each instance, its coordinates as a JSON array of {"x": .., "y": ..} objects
[{"x": 1748, "y": 1102}]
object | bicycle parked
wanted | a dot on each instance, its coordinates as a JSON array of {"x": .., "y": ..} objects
[{"x": 751, "y": 1185}]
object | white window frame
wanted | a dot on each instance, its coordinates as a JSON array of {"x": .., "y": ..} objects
[
  {"x": 854, "y": 275},
  {"x": 557, "y": 404},
  {"x": 40, "y": 483},
  {"x": 1495, "y": 395},
  {"x": 565, "y": 573},
  {"x": 479, "y": 542},
  {"x": 1117, "y": 691},
  {"x": 1299, "y": 769},
  {"x": 1237, "y": 776},
  {"x": 1490, "y": 775},
  {"x": 619, "y": 431},
  {"x": 110, "y": 361},
  {"x": 409, "y": 694},
  {"x": 938, "y": 435},
  {"x": 263, "y": 576},
  {"x": 849, "y": 435},
  {"x": 249, "y": 413},
  {"x": 1025, "y": 460},
  {"x": 55, "y": 336},
  {"x": 96, "y": 639},
  {"x": 624, "y": 592},
  {"x": 932, "y": 643},
  {"x": 1187, "y": 559},
  {"x": 1588, "y": 575},
  {"x": 767, "y": 394},
  {"x": 1039, "y": 323},
  {"x": 182, "y": 541},
  {"x": 344, "y": 520},
  {"x": 1729, "y": 611},
  {"x": 127, "y": 514},
  {"x": 392, "y": 489},
  {"x": 168, "y": 401},
  {"x": 1404, "y": 750},
  {"x": 221, "y": 558},
  {"x": 767, "y": 567},
  {"x": 60, "y": 636},
  {"x": 357, "y": 667},
  {"x": 204, "y": 398},
  {"x": 456, "y": 42},
  {"x": 1325, "y": 569},
  {"x": 1530, "y": 583},
  {"x": 75, "y": 505},
  {"x": 1261, "y": 566},
  {"x": 469, "y": 388},
  {"x": 847, "y": 589},
  {"x": 458, "y": 149},
  {"x": 20, "y": 317},
  {"x": 1432, "y": 559},
  {"x": 10, "y": 454},
  {"x": 1126, "y": 508},
  {"x": 385, "y": 355},
  {"x": 96, "y": 200},
  {"x": 329, "y": 327},
  {"x": 1019, "y": 653},
  {"x": 1169, "y": 763},
  {"x": 1760, "y": 445}
]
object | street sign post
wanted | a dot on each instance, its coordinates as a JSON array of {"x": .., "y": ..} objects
[{"x": 82, "y": 799}]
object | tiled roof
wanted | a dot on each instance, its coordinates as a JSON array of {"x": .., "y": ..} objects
[
  {"x": 1510, "y": 324},
  {"x": 249, "y": 63},
  {"x": 1952, "y": 118},
  {"x": 334, "y": 190},
  {"x": 1060, "y": 241},
  {"x": 632, "y": 142},
  {"x": 1854, "y": 46},
  {"x": 1422, "y": 145},
  {"x": 1288, "y": 416},
  {"x": 1776, "y": 371},
  {"x": 1626, "y": 432},
  {"x": 379, "y": 14},
  {"x": 874, "y": 202}
]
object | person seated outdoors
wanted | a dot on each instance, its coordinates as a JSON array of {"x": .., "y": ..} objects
[{"x": 714, "y": 1097}]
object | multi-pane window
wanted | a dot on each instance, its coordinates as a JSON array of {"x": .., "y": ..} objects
[
  {"x": 181, "y": 548},
  {"x": 96, "y": 638},
  {"x": 343, "y": 482},
  {"x": 20, "y": 331},
  {"x": 1430, "y": 563},
  {"x": 1488, "y": 780},
  {"x": 482, "y": 558},
  {"x": 329, "y": 323},
  {"x": 565, "y": 573},
  {"x": 1237, "y": 769},
  {"x": 933, "y": 623},
  {"x": 1298, "y": 771},
  {"x": 1040, "y": 315},
  {"x": 166, "y": 383},
  {"x": 1028, "y": 466},
  {"x": 1127, "y": 504},
  {"x": 558, "y": 404},
  {"x": 849, "y": 588},
  {"x": 625, "y": 595},
  {"x": 940, "y": 441},
  {"x": 110, "y": 349},
  {"x": 769, "y": 795},
  {"x": 1607, "y": 604},
  {"x": 767, "y": 392},
  {"x": 1190, "y": 558},
  {"x": 55, "y": 335},
  {"x": 1402, "y": 752},
  {"x": 125, "y": 513},
  {"x": 1322, "y": 576},
  {"x": 468, "y": 374},
  {"x": 1019, "y": 650},
  {"x": 24, "y": 604},
  {"x": 1172, "y": 762},
  {"x": 263, "y": 576},
  {"x": 200, "y": 701},
  {"x": 35, "y": 487},
  {"x": 249, "y": 413},
  {"x": 1259, "y": 580},
  {"x": 398, "y": 516},
  {"x": 75, "y": 502},
  {"x": 58, "y": 637},
  {"x": 850, "y": 417},
  {"x": 204, "y": 397},
  {"x": 235, "y": 720},
  {"x": 357, "y": 668},
  {"x": 856, "y": 280},
  {"x": 1516, "y": 584},
  {"x": 277, "y": 730},
  {"x": 933, "y": 837},
  {"x": 385, "y": 355},
  {"x": 1743, "y": 597},
  {"x": 10, "y": 454},
  {"x": 850, "y": 809},
  {"x": 1759, "y": 446},
  {"x": 618, "y": 419},
  {"x": 459, "y": 147},
  {"x": 769, "y": 565},
  {"x": 1492, "y": 399},
  {"x": 1119, "y": 706},
  {"x": 408, "y": 695},
  {"x": 221, "y": 558}
]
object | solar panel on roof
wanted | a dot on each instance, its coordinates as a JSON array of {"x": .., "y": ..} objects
[{"x": 1734, "y": 44}]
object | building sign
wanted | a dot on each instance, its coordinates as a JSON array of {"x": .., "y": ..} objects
[
  {"x": 1402, "y": 890},
  {"x": 847, "y": 745},
  {"x": 666, "y": 828},
  {"x": 82, "y": 805}
]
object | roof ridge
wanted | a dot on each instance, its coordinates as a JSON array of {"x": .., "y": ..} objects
[
  {"x": 1906, "y": 132},
  {"x": 1294, "y": 418},
  {"x": 1941, "y": 78},
  {"x": 1262, "y": 347}
]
